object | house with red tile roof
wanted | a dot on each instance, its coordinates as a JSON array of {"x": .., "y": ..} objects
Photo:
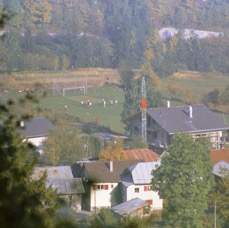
[
  {"x": 219, "y": 155},
  {"x": 220, "y": 161},
  {"x": 144, "y": 154}
]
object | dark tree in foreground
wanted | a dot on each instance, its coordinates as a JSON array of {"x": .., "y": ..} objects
[
  {"x": 24, "y": 202},
  {"x": 184, "y": 179}
]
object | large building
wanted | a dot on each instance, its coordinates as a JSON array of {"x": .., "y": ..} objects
[{"x": 163, "y": 123}]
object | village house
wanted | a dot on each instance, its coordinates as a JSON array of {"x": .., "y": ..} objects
[
  {"x": 220, "y": 161},
  {"x": 35, "y": 131},
  {"x": 136, "y": 183},
  {"x": 142, "y": 153},
  {"x": 108, "y": 184},
  {"x": 61, "y": 179},
  {"x": 163, "y": 123},
  {"x": 101, "y": 182}
]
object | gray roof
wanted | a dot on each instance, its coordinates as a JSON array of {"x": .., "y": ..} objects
[
  {"x": 177, "y": 119},
  {"x": 54, "y": 172},
  {"x": 221, "y": 168},
  {"x": 99, "y": 171},
  {"x": 35, "y": 127},
  {"x": 61, "y": 179},
  {"x": 142, "y": 172},
  {"x": 66, "y": 186},
  {"x": 128, "y": 207}
]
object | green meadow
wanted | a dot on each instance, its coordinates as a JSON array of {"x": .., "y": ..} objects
[{"x": 108, "y": 116}]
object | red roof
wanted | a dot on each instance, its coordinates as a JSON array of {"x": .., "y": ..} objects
[
  {"x": 145, "y": 154},
  {"x": 219, "y": 155}
]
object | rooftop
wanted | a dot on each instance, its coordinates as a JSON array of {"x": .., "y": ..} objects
[
  {"x": 221, "y": 168},
  {"x": 141, "y": 172},
  {"x": 219, "y": 155},
  {"x": 145, "y": 154},
  {"x": 54, "y": 172},
  {"x": 35, "y": 127},
  {"x": 187, "y": 119},
  {"x": 129, "y": 206},
  {"x": 61, "y": 179},
  {"x": 105, "y": 172}
]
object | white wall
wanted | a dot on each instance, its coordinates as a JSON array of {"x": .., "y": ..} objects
[
  {"x": 37, "y": 142},
  {"x": 101, "y": 198},
  {"x": 145, "y": 195}
]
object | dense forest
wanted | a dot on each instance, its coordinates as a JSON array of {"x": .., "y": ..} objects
[{"x": 66, "y": 34}]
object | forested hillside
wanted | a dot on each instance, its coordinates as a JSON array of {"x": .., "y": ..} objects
[{"x": 65, "y": 34}]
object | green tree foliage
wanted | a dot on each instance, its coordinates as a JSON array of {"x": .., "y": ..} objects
[
  {"x": 64, "y": 146},
  {"x": 104, "y": 219},
  {"x": 104, "y": 33},
  {"x": 184, "y": 179},
  {"x": 134, "y": 222},
  {"x": 220, "y": 195},
  {"x": 136, "y": 143},
  {"x": 126, "y": 74},
  {"x": 224, "y": 96},
  {"x": 93, "y": 145},
  {"x": 24, "y": 202}
]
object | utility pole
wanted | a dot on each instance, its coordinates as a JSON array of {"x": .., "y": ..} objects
[
  {"x": 143, "y": 107},
  {"x": 215, "y": 215}
]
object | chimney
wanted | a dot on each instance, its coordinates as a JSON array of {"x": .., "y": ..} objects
[
  {"x": 22, "y": 124},
  {"x": 168, "y": 104},
  {"x": 190, "y": 112},
  {"x": 111, "y": 166}
]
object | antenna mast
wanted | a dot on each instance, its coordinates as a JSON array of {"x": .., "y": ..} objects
[{"x": 143, "y": 107}]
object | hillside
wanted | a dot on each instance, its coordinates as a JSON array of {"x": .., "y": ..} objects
[{"x": 60, "y": 35}]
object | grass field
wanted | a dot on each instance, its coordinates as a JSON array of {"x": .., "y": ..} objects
[
  {"x": 198, "y": 83},
  {"x": 109, "y": 116}
]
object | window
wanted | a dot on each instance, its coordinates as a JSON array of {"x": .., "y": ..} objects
[
  {"x": 148, "y": 188},
  {"x": 150, "y": 202},
  {"x": 136, "y": 190},
  {"x": 101, "y": 187},
  {"x": 112, "y": 186}
]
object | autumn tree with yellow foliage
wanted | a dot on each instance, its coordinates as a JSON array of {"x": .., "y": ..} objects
[
  {"x": 39, "y": 11},
  {"x": 113, "y": 152}
]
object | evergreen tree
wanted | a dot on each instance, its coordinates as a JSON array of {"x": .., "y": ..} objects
[
  {"x": 184, "y": 179},
  {"x": 24, "y": 202}
]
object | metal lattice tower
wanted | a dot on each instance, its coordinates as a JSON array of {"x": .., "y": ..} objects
[{"x": 143, "y": 107}]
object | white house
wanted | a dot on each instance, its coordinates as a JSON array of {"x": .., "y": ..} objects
[
  {"x": 101, "y": 182},
  {"x": 35, "y": 130},
  {"x": 136, "y": 183}
]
